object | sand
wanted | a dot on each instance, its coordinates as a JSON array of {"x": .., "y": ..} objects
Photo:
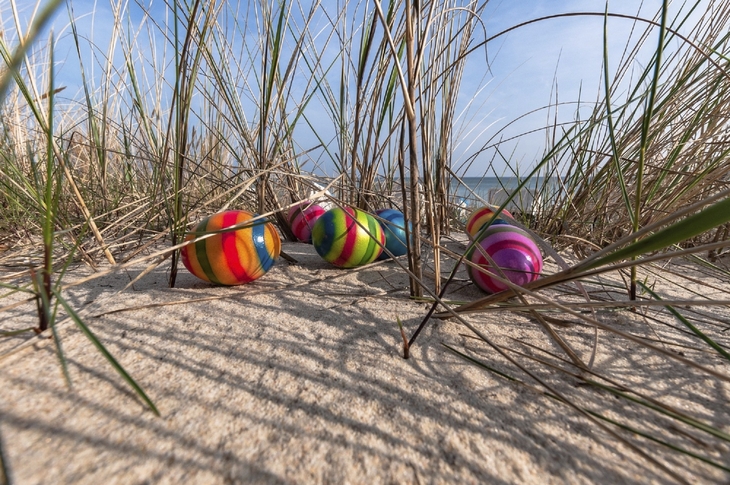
[{"x": 299, "y": 378}]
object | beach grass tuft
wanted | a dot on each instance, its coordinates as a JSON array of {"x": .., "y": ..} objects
[{"x": 261, "y": 105}]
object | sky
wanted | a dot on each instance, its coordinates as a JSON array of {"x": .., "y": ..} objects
[
  {"x": 526, "y": 69},
  {"x": 537, "y": 65}
]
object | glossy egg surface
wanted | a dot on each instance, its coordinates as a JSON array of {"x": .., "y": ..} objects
[
  {"x": 231, "y": 257},
  {"x": 394, "y": 226},
  {"x": 346, "y": 237},
  {"x": 513, "y": 251},
  {"x": 302, "y": 218},
  {"x": 483, "y": 215}
]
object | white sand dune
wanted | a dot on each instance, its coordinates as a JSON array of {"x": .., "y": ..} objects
[{"x": 298, "y": 378}]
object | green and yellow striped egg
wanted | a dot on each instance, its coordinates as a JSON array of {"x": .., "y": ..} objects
[
  {"x": 347, "y": 237},
  {"x": 231, "y": 257}
]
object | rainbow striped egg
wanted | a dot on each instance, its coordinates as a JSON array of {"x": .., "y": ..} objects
[
  {"x": 347, "y": 237},
  {"x": 512, "y": 250},
  {"x": 301, "y": 219},
  {"x": 394, "y": 226},
  {"x": 232, "y": 257},
  {"x": 484, "y": 215}
]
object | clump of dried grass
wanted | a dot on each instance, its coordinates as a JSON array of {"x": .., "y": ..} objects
[{"x": 147, "y": 151}]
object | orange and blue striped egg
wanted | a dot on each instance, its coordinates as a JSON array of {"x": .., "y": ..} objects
[
  {"x": 347, "y": 237},
  {"x": 231, "y": 257},
  {"x": 486, "y": 215}
]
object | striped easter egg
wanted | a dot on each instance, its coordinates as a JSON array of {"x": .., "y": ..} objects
[
  {"x": 302, "y": 218},
  {"x": 483, "y": 215},
  {"x": 343, "y": 237},
  {"x": 394, "y": 227},
  {"x": 512, "y": 250},
  {"x": 233, "y": 257}
]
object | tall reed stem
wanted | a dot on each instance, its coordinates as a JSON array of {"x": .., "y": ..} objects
[{"x": 645, "y": 125}]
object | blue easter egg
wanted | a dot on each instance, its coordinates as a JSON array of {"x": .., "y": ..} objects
[{"x": 393, "y": 223}]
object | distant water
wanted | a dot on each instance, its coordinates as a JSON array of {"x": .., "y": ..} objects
[{"x": 471, "y": 192}]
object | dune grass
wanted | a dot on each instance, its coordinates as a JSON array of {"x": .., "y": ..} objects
[{"x": 237, "y": 104}]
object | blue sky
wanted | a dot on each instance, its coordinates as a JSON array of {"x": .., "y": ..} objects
[
  {"x": 526, "y": 64},
  {"x": 532, "y": 65}
]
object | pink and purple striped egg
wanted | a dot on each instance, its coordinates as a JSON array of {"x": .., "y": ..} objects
[
  {"x": 347, "y": 237},
  {"x": 485, "y": 215},
  {"x": 231, "y": 257},
  {"x": 302, "y": 218},
  {"x": 512, "y": 250}
]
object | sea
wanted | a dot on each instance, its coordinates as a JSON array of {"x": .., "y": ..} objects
[{"x": 470, "y": 192}]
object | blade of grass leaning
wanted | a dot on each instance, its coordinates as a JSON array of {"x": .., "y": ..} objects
[
  {"x": 688, "y": 420},
  {"x": 688, "y": 324},
  {"x": 646, "y": 123},
  {"x": 550, "y": 391},
  {"x": 693, "y": 225},
  {"x": 615, "y": 155},
  {"x": 563, "y": 400},
  {"x": 4, "y": 472},
  {"x": 107, "y": 355},
  {"x": 716, "y": 214},
  {"x": 60, "y": 353},
  {"x": 650, "y": 437},
  {"x": 633, "y": 395},
  {"x": 571, "y": 275},
  {"x": 45, "y": 15}
]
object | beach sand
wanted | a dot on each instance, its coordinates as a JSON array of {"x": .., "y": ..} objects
[{"x": 299, "y": 378}]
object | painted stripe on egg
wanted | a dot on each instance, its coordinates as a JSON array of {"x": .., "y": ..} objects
[
  {"x": 201, "y": 251},
  {"x": 327, "y": 227},
  {"x": 344, "y": 237},
  {"x": 231, "y": 257},
  {"x": 232, "y": 270},
  {"x": 374, "y": 229},
  {"x": 350, "y": 239},
  {"x": 258, "y": 234},
  {"x": 189, "y": 256}
]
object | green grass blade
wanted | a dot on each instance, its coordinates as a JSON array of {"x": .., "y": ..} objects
[
  {"x": 718, "y": 433},
  {"x": 615, "y": 155},
  {"x": 109, "y": 357},
  {"x": 12, "y": 333},
  {"x": 698, "y": 223},
  {"x": 649, "y": 437},
  {"x": 59, "y": 352},
  {"x": 689, "y": 324},
  {"x": 4, "y": 474},
  {"x": 481, "y": 364},
  {"x": 44, "y": 16}
]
